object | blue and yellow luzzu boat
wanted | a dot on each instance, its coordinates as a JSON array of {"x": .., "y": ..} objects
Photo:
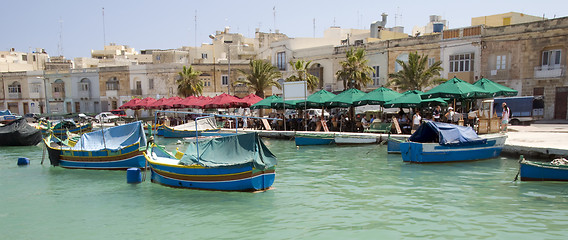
[
  {"x": 115, "y": 148},
  {"x": 61, "y": 128},
  {"x": 229, "y": 163}
]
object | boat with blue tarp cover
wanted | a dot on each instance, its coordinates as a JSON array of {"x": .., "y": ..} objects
[
  {"x": 189, "y": 129},
  {"x": 115, "y": 148},
  {"x": 239, "y": 162},
  {"x": 556, "y": 170},
  {"x": 435, "y": 142}
]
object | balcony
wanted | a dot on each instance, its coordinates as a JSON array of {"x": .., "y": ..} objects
[
  {"x": 85, "y": 95},
  {"x": 136, "y": 92},
  {"x": 550, "y": 71},
  {"x": 59, "y": 95},
  {"x": 15, "y": 95}
]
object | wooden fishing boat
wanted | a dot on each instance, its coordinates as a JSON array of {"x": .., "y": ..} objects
[
  {"x": 189, "y": 129},
  {"x": 115, "y": 148},
  {"x": 305, "y": 139},
  {"x": 19, "y": 133},
  {"x": 393, "y": 145},
  {"x": 61, "y": 128},
  {"x": 229, "y": 163},
  {"x": 354, "y": 139},
  {"x": 436, "y": 142},
  {"x": 556, "y": 170}
]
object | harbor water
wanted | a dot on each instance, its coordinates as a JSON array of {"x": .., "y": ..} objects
[{"x": 320, "y": 192}]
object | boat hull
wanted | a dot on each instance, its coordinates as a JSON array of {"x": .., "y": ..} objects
[
  {"x": 537, "y": 171},
  {"x": 303, "y": 140},
  {"x": 393, "y": 145},
  {"x": 224, "y": 179},
  {"x": 436, "y": 153},
  {"x": 123, "y": 159},
  {"x": 348, "y": 140},
  {"x": 63, "y": 132}
]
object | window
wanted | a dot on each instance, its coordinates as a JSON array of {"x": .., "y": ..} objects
[
  {"x": 84, "y": 85},
  {"x": 112, "y": 84},
  {"x": 461, "y": 62},
  {"x": 204, "y": 55},
  {"x": 376, "y": 78},
  {"x": 24, "y": 57},
  {"x": 281, "y": 61},
  {"x": 224, "y": 80},
  {"x": 551, "y": 57},
  {"x": 501, "y": 62},
  {"x": 157, "y": 58},
  {"x": 151, "y": 83},
  {"x": 431, "y": 61},
  {"x": 77, "y": 107},
  {"x": 58, "y": 86},
  {"x": 35, "y": 88},
  {"x": 15, "y": 87},
  {"x": 539, "y": 91}
]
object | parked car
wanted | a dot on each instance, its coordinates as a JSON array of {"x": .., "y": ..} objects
[
  {"x": 31, "y": 117},
  {"x": 119, "y": 112},
  {"x": 106, "y": 117}
]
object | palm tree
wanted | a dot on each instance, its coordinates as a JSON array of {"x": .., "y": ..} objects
[
  {"x": 301, "y": 67},
  {"x": 416, "y": 75},
  {"x": 189, "y": 83},
  {"x": 355, "y": 70},
  {"x": 261, "y": 75}
]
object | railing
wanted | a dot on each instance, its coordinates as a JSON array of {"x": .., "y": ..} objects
[
  {"x": 136, "y": 92},
  {"x": 85, "y": 94},
  {"x": 549, "y": 71},
  {"x": 15, "y": 95}
]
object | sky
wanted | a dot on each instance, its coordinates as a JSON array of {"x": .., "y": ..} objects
[{"x": 73, "y": 28}]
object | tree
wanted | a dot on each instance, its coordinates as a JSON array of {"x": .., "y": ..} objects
[
  {"x": 260, "y": 76},
  {"x": 301, "y": 68},
  {"x": 415, "y": 74},
  {"x": 189, "y": 83},
  {"x": 355, "y": 71}
]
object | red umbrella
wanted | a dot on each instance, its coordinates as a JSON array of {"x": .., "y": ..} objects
[
  {"x": 186, "y": 102},
  {"x": 251, "y": 99},
  {"x": 225, "y": 101},
  {"x": 157, "y": 104},
  {"x": 144, "y": 103},
  {"x": 200, "y": 102},
  {"x": 130, "y": 104},
  {"x": 169, "y": 103}
]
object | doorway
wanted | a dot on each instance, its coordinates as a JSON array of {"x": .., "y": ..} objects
[{"x": 560, "y": 103}]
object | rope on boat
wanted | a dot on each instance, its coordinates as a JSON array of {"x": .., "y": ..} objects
[{"x": 521, "y": 158}]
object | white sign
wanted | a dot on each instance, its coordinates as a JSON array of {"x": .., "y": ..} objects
[{"x": 294, "y": 90}]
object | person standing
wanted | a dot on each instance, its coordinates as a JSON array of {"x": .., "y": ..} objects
[
  {"x": 436, "y": 113},
  {"x": 505, "y": 117},
  {"x": 416, "y": 120},
  {"x": 450, "y": 114}
]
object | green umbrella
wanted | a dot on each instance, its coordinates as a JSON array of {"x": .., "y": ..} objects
[
  {"x": 457, "y": 89},
  {"x": 266, "y": 103},
  {"x": 289, "y": 104},
  {"x": 434, "y": 102},
  {"x": 316, "y": 100},
  {"x": 377, "y": 97},
  {"x": 345, "y": 98},
  {"x": 408, "y": 99},
  {"x": 495, "y": 89}
]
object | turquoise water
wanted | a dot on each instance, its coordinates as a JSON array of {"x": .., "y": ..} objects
[{"x": 355, "y": 192}]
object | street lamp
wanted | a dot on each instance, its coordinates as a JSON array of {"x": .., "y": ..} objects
[{"x": 45, "y": 93}]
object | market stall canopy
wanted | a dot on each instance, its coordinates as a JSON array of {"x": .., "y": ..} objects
[
  {"x": 345, "y": 98},
  {"x": 316, "y": 100},
  {"x": 377, "y": 97},
  {"x": 170, "y": 102},
  {"x": 495, "y": 89},
  {"x": 251, "y": 99},
  {"x": 201, "y": 102},
  {"x": 266, "y": 103},
  {"x": 186, "y": 102},
  {"x": 457, "y": 89},
  {"x": 157, "y": 104},
  {"x": 130, "y": 104}
]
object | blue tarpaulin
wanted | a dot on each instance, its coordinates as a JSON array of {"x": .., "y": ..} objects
[
  {"x": 5, "y": 112},
  {"x": 446, "y": 134},
  {"x": 114, "y": 138}
]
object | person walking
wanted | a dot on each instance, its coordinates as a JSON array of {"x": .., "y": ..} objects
[
  {"x": 437, "y": 113},
  {"x": 505, "y": 117},
  {"x": 416, "y": 120}
]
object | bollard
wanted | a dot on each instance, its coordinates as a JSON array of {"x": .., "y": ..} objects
[
  {"x": 23, "y": 161},
  {"x": 133, "y": 175}
]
